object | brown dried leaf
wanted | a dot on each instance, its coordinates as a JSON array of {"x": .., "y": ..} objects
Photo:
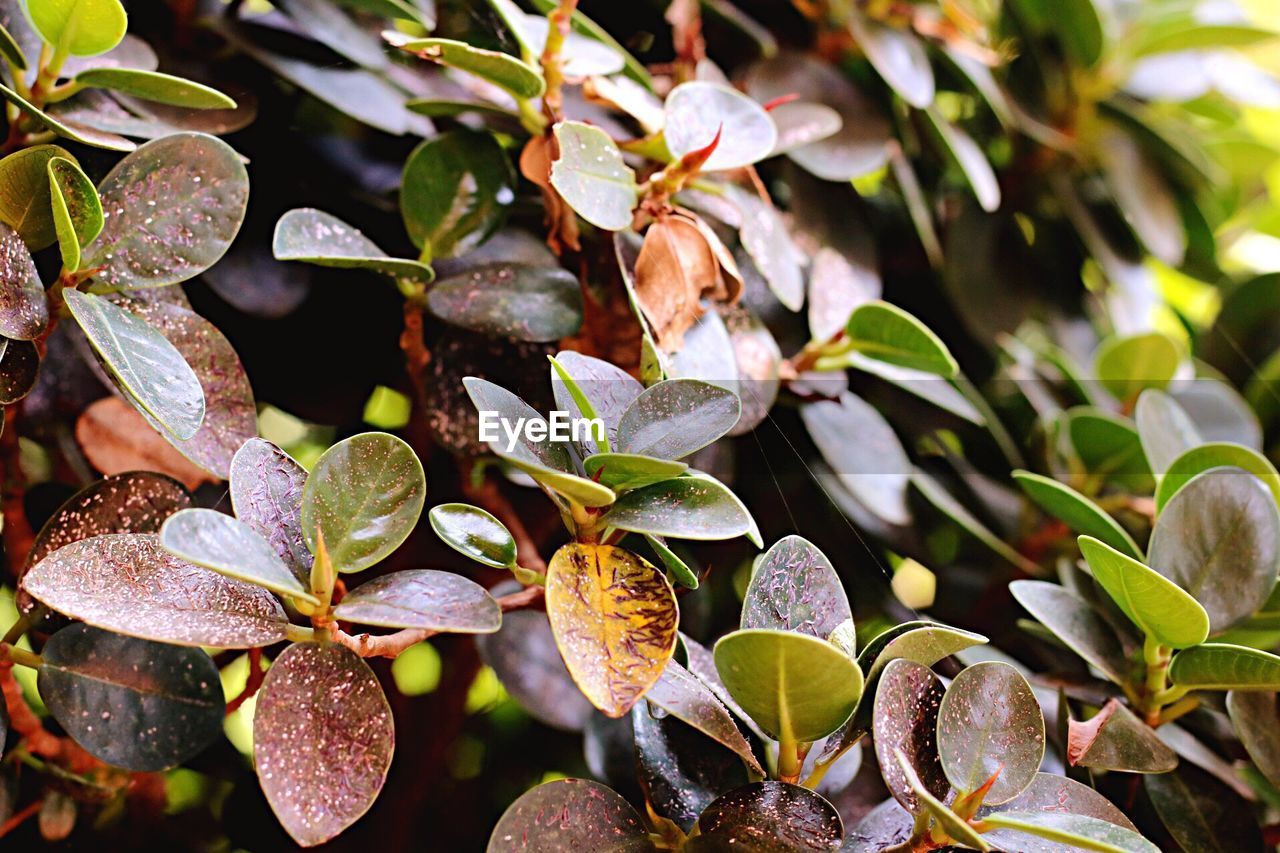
[
  {"x": 562, "y": 223},
  {"x": 675, "y": 269},
  {"x": 115, "y": 438}
]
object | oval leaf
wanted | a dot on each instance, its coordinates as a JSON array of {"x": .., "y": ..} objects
[
  {"x": 1079, "y": 512},
  {"x": 681, "y": 694},
  {"x": 906, "y": 720},
  {"x": 674, "y": 418},
  {"x": 898, "y": 56},
  {"x": 875, "y": 467},
  {"x": 1222, "y": 666},
  {"x": 230, "y": 547},
  {"x": 266, "y": 494},
  {"x": 591, "y": 176},
  {"x": 697, "y": 113},
  {"x": 154, "y": 86},
  {"x": 502, "y": 69},
  {"x": 1126, "y": 366},
  {"x": 1215, "y": 455},
  {"x": 1082, "y": 628},
  {"x": 79, "y": 27},
  {"x": 570, "y": 814},
  {"x": 423, "y": 599},
  {"x": 455, "y": 192},
  {"x": 683, "y": 508},
  {"x": 527, "y": 302},
  {"x": 887, "y": 333},
  {"x": 77, "y": 210},
  {"x": 1165, "y": 429},
  {"x": 794, "y": 587},
  {"x": 316, "y": 237},
  {"x": 770, "y": 816},
  {"x": 24, "y": 310},
  {"x": 475, "y": 533}
]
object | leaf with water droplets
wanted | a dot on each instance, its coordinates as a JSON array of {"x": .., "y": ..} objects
[
  {"x": 315, "y": 237},
  {"x": 24, "y": 311},
  {"x": 230, "y": 547},
  {"x": 475, "y": 533},
  {"x": 365, "y": 495},
  {"x": 148, "y": 368},
  {"x": 323, "y": 738},
  {"x": 883, "y": 828},
  {"x": 684, "y": 508},
  {"x": 77, "y": 210},
  {"x": 592, "y": 178},
  {"x": 769, "y": 817},
  {"x": 527, "y": 302},
  {"x": 425, "y": 599},
  {"x": 1075, "y": 832},
  {"x": 989, "y": 724},
  {"x": 681, "y": 694},
  {"x": 266, "y": 494},
  {"x": 794, "y": 587},
  {"x": 132, "y": 703},
  {"x": 127, "y": 584},
  {"x": 19, "y": 369},
  {"x": 674, "y": 418},
  {"x": 906, "y": 720},
  {"x": 455, "y": 191},
  {"x": 1051, "y": 793},
  {"x": 614, "y": 617},
  {"x": 172, "y": 208},
  {"x": 570, "y": 814},
  {"x": 796, "y": 687}
]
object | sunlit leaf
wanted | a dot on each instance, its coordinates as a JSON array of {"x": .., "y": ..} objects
[
  {"x": 424, "y": 599},
  {"x": 625, "y": 471},
  {"x": 899, "y": 57},
  {"x": 1163, "y": 611},
  {"x": 1215, "y": 455},
  {"x": 24, "y": 194},
  {"x": 502, "y": 69},
  {"x": 698, "y": 111},
  {"x": 77, "y": 211},
  {"x": 887, "y": 333},
  {"x": 230, "y": 547},
  {"x": 455, "y": 191},
  {"x": 1077, "y": 831},
  {"x": 67, "y": 128},
  {"x": 1079, "y": 512},
  {"x": 1128, "y": 365},
  {"x": 79, "y": 27},
  {"x": 591, "y": 176},
  {"x": 316, "y": 237},
  {"x": 475, "y": 533},
  {"x": 683, "y": 508},
  {"x": 154, "y": 86}
]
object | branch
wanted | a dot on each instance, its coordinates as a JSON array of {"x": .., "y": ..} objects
[{"x": 256, "y": 675}]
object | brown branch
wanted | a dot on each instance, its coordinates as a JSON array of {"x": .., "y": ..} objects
[
  {"x": 17, "y": 536},
  {"x": 416, "y": 354},
  {"x": 23, "y": 720},
  {"x": 256, "y": 675},
  {"x": 18, "y": 818},
  {"x": 392, "y": 645}
]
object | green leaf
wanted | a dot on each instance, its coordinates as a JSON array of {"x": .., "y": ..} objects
[
  {"x": 548, "y": 461},
  {"x": 1218, "y": 454},
  {"x": 24, "y": 194},
  {"x": 78, "y": 133},
  {"x": 887, "y": 333},
  {"x": 11, "y": 50},
  {"x": 591, "y": 176},
  {"x": 768, "y": 816},
  {"x": 364, "y": 495},
  {"x": 1108, "y": 445},
  {"x": 609, "y": 390},
  {"x": 1203, "y": 814},
  {"x": 767, "y": 241},
  {"x": 455, "y": 191},
  {"x": 682, "y": 695},
  {"x": 230, "y": 547},
  {"x": 614, "y": 617},
  {"x": 1165, "y": 429},
  {"x": 905, "y": 717},
  {"x": 24, "y": 309},
  {"x": 1219, "y": 539},
  {"x": 1078, "y": 512},
  {"x": 424, "y": 599},
  {"x": 528, "y": 302},
  {"x": 678, "y": 570},
  {"x": 79, "y": 27},
  {"x": 266, "y": 494},
  {"x": 796, "y": 687},
  {"x": 698, "y": 111},
  {"x": 875, "y": 467},
  {"x": 625, "y": 471},
  {"x": 474, "y": 533},
  {"x": 148, "y": 368},
  {"x": 951, "y": 823},
  {"x": 77, "y": 211},
  {"x": 1257, "y": 724},
  {"x": 127, "y": 584},
  {"x": 1075, "y": 623},
  {"x": 794, "y": 587},
  {"x": 1181, "y": 35},
  {"x": 953, "y": 508},
  {"x": 1116, "y": 739},
  {"x": 989, "y": 723},
  {"x": 924, "y": 643},
  {"x": 173, "y": 207},
  {"x": 590, "y": 816},
  {"x": 683, "y": 508},
  {"x": 132, "y": 703},
  {"x": 501, "y": 69},
  {"x": 674, "y": 418},
  {"x": 1165, "y": 612},
  {"x": 1221, "y": 666},
  {"x": 970, "y": 159},
  {"x": 898, "y": 56},
  {"x": 316, "y": 237},
  {"x": 154, "y": 86},
  {"x": 1078, "y": 832},
  {"x": 1126, "y": 366},
  {"x": 323, "y": 696}
]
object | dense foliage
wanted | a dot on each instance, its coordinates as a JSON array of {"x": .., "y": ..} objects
[{"x": 920, "y": 360}]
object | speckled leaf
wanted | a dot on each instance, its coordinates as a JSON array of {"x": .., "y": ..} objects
[
  {"x": 884, "y": 827},
  {"x": 905, "y": 719},
  {"x": 989, "y": 723},
  {"x": 365, "y": 494},
  {"x": 527, "y": 302},
  {"x": 1218, "y": 454},
  {"x": 149, "y": 369},
  {"x": 1082, "y": 628},
  {"x": 1203, "y": 814},
  {"x": 1163, "y": 610},
  {"x": 1222, "y": 666},
  {"x": 230, "y": 547},
  {"x": 172, "y": 208},
  {"x": 570, "y": 814},
  {"x": 524, "y": 656},
  {"x": 609, "y": 389},
  {"x": 67, "y": 128},
  {"x": 1257, "y": 723},
  {"x": 1116, "y": 739},
  {"x": 875, "y": 467},
  {"x": 79, "y": 27},
  {"x": 1073, "y": 831},
  {"x": 24, "y": 194},
  {"x": 77, "y": 211},
  {"x": 1165, "y": 429},
  {"x": 471, "y": 531},
  {"x": 133, "y": 703},
  {"x": 1126, "y": 366},
  {"x": 797, "y": 688},
  {"x": 591, "y": 176},
  {"x": 887, "y": 333},
  {"x": 925, "y": 643},
  {"x": 683, "y": 508},
  {"x": 321, "y": 708},
  {"x": 1052, "y": 793},
  {"x": 155, "y": 86},
  {"x": 794, "y": 587},
  {"x": 24, "y": 311},
  {"x": 674, "y": 418},
  {"x": 422, "y": 598},
  {"x": 625, "y": 471},
  {"x": 548, "y": 462},
  {"x": 698, "y": 111},
  {"x": 683, "y": 696},
  {"x": 502, "y": 69},
  {"x": 770, "y": 817},
  {"x": 266, "y": 494},
  {"x": 134, "y": 502},
  {"x": 127, "y": 584},
  {"x": 315, "y": 237},
  {"x": 455, "y": 191},
  {"x": 1219, "y": 539},
  {"x": 231, "y": 415},
  {"x": 764, "y": 236},
  {"x": 1079, "y": 512},
  {"x": 614, "y": 617},
  {"x": 899, "y": 57}
]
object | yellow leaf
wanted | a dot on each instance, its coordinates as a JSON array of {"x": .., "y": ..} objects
[{"x": 614, "y": 617}]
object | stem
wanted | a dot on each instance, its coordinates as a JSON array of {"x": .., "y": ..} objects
[
  {"x": 256, "y": 676},
  {"x": 1155, "y": 688},
  {"x": 559, "y": 22},
  {"x": 790, "y": 761},
  {"x": 22, "y": 656}
]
